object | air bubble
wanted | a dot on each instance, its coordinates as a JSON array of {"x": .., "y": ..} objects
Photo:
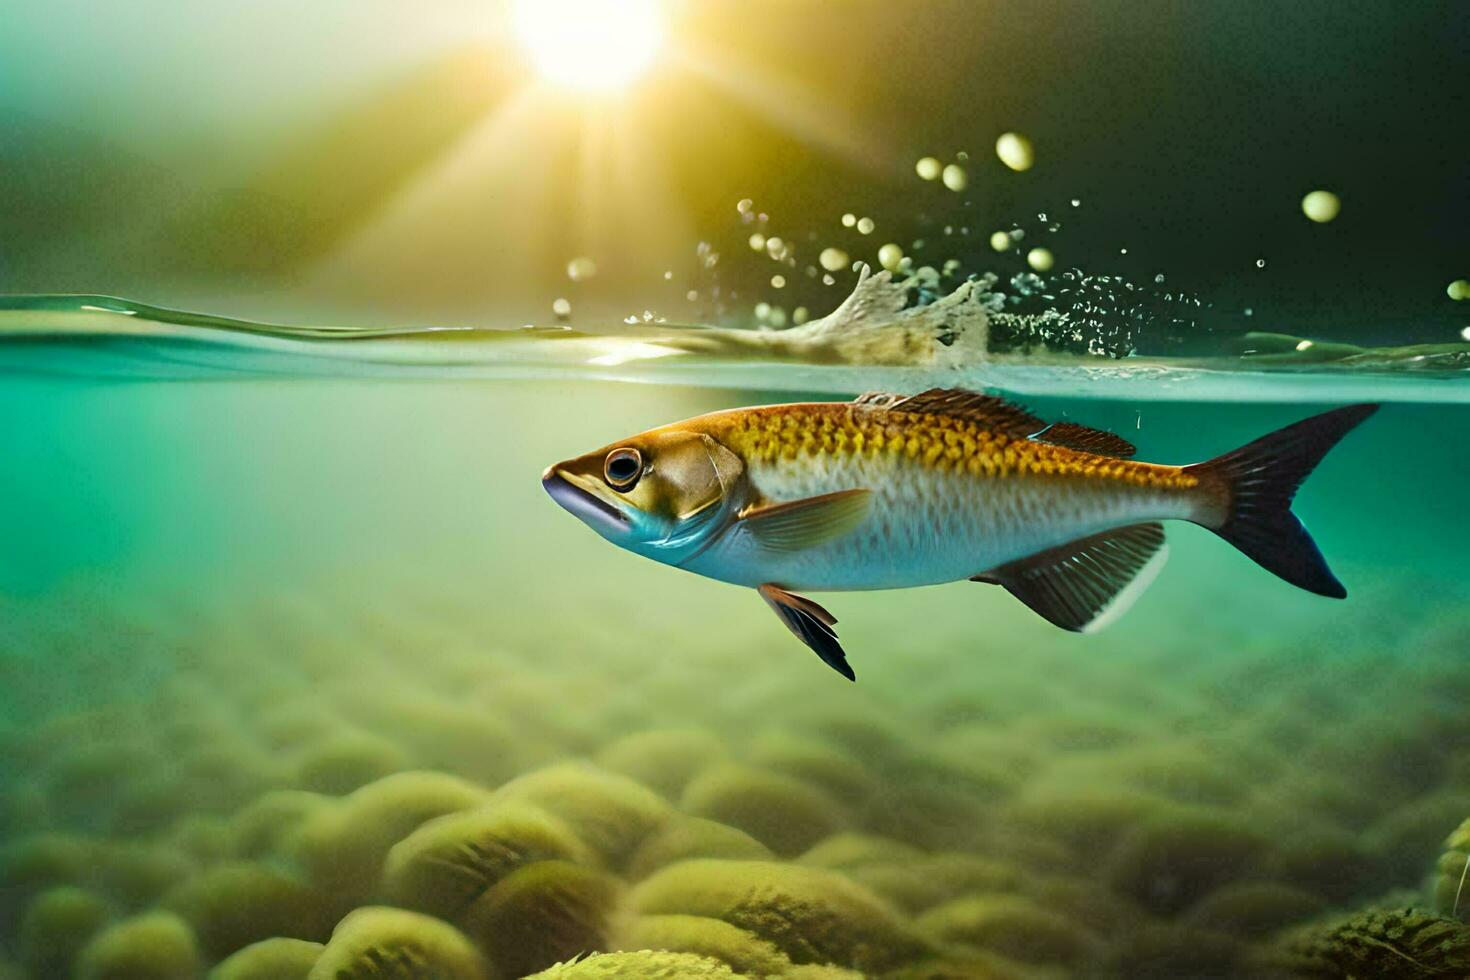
[
  {"x": 581, "y": 268},
  {"x": 890, "y": 256},
  {"x": 1015, "y": 151},
  {"x": 928, "y": 168},
  {"x": 955, "y": 178},
  {"x": 1000, "y": 241},
  {"x": 1260, "y": 263},
  {"x": 1459, "y": 289},
  {"x": 865, "y": 226},
  {"x": 561, "y": 307},
  {"x": 1321, "y": 206},
  {"x": 849, "y": 219},
  {"x": 778, "y": 282},
  {"x": 1040, "y": 259},
  {"x": 758, "y": 242},
  {"x": 833, "y": 259},
  {"x": 744, "y": 205}
]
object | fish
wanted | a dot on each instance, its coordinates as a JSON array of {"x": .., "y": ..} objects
[{"x": 893, "y": 491}]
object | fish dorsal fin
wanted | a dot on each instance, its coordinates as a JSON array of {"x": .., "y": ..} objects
[
  {"x": 991, "y": 410},
  {"x": 1086, "y": 584},
  {"x": 798, "y": 524},
  {"x": 1097, "y": 441}
]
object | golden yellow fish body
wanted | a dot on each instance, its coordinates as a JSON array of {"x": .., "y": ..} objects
[{"x": 951, "y": 497}]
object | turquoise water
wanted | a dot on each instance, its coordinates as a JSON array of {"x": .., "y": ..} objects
[{"x": 289, "y": 628}]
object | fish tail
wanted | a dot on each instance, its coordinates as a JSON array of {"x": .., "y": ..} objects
[{"x": 1254, "y": 487}]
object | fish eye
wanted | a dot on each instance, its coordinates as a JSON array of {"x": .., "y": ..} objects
[{"x": 622, "y": 468}]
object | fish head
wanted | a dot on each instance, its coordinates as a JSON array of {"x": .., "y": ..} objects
[{"x": 665, "y": 493}]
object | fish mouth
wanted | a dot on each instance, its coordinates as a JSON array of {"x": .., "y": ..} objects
[{"x": 582, "y": 503}]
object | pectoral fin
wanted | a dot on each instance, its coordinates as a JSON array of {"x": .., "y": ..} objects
[
  {"x": 1086, "y": 584},
  {"x": 799, "y": 524},
  {"x": 810, "y": 623}
]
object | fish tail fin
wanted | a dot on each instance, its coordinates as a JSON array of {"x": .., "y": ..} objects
[{"x": 1254, "y": 487}]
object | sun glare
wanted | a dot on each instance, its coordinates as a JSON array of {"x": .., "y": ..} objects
[{"x": 590, "y": 45}]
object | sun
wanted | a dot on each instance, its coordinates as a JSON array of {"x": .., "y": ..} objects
[{"x": 590, "y": 45}]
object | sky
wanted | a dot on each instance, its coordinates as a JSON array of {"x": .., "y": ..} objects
[{"x": 370, "y": 162}]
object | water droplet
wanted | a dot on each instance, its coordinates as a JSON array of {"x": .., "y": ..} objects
[
  {"x": 1015, "y": 151},
  {"x": 581, "y": 268},
  {"x": 833, "y": 259},
  {"x": 1321, "y": 206}
]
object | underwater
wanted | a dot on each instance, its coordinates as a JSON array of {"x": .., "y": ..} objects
[{"x": 356, "y": 357}]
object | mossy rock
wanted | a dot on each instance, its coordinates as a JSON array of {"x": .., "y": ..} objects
[
  {"x": 1327, "y": 862},
  {"x": 1252, "y": 909},
  {"x": 341, "y": 849},
  {"x": 377, "y": 943},
  {"x": 1450, "y": 885},
  {"x": 1158, "y": 951},
  {"x": 1086, "y": 819},
  {"x": 270, "y": 959},
  {"x": 138, "y": 874},
  {"x": 810, "y": 914},
  {"x": 57, "y": 924},
  {"x": 851, "y": 849},
  {"x": 610, "y": 813},
  {"x": 1385, "y": 944},
  {"x": 663, "y": 759},
  {"x": 742, "y": 951},
  {"x": 1084, "y": 900},
  {"x": 923, "y": 882},
  {"x": 1013, "y": 926},
  {"x": 344, "y": 762},
  {"x": 449, "y": 862},
  {"x": 786, "y": 815},
  {"x": 541, "y": 914},
  {"x": 32, "y": 864},
  {"x": 1169, "y": 863},
  {"x": 1411, "y": 835},
  {"x": 815, "y": 763},
  {"x": 152, "y": 946},
  {"x": 84, "y": 785},
  {"x": 263, "y": 826},
  {"x": 683, "y": 838},
  {"x": 971, "y": 966},
  {"x": 233, "y": 905},
  {"x": 639, "y": 965}
]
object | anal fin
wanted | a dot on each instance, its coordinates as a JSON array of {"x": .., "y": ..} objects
[
  {"x": 810, "y": 623},
  {"x": 1085, "y": 584}
]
